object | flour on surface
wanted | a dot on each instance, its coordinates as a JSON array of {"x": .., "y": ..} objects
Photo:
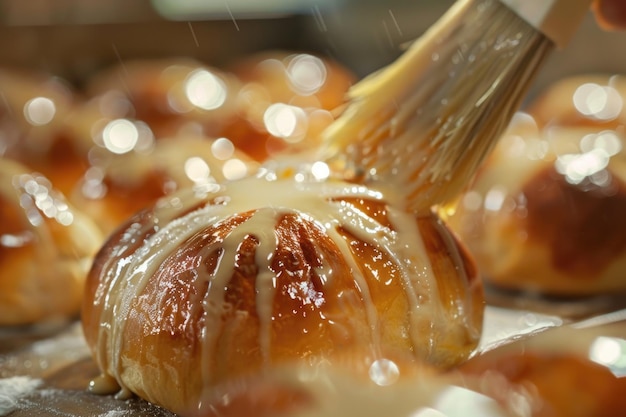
[{"x": 14, "y": 388}]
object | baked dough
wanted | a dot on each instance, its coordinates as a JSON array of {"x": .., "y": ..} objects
[
  {"x": 545, "y": 215},
  {"x": 285, "y": 101},
  {"x": 116, "y": 186},
  {"x": 202, "y": 289},
  {"x": 170, "y": 95},
  {"x": 46, "y": 249},
  {"x": 561, "y": 372}
]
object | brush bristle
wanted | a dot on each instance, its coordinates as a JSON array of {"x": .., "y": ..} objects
[{"x": 424, "y": 123}]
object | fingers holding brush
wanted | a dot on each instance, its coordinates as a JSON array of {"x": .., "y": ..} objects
[{"x": 610, "y": 14}]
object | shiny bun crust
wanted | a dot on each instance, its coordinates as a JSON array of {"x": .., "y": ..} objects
[
  {"x": 544, "y": 215},
  {"x": 548, "y": 379},
  {"x": 539, "y": 374},
  {"x": 202, "y": 289},
  {"x": 584, "y": 100},
  {"x": 46, "y": 249},
  {"x": 118, "y": 186},
  {"x": 163, "y": 92}
]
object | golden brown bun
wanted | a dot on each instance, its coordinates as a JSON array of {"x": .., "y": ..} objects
[
  {"x": 302, "y": 89},
  {"x": 583, "y": 100},
  {"x": 562, "y": 385},
  {"x": 46, "y": 248},
  {"x": 297, "y": 78},
  {"x": 210, "y": 288},
  {"x": 545, "y": 213},
  {"x": 563, "y": 372},
  {"x": 33, "y": 129},
  {"x": 119, "y": 185},
  {"x": 170, "y": 94}
]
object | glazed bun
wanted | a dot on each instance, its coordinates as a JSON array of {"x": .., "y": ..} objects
[
  {"x": 582, "y": 100},
  {"x": 33, "y": 125},
  {"x": 46, "y": 248},
  {"x": 169, "y": 95},
  {"x": 207, "y": 287},
  {"x": 297, "y": 78},
  {"x": 545, "y": 213},
  {"x": 561, "y": 372},
  {"x": 120, "y": 183},
  {"x": 286, "y": 99}
]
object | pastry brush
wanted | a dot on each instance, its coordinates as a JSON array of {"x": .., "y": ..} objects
[{"x": 425, "y": 122}]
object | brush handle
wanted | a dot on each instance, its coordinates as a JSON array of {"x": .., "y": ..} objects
[{"x": 557, "y": 19}]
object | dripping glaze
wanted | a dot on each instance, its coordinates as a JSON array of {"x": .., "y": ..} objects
[{"x": 261, "y": 202}]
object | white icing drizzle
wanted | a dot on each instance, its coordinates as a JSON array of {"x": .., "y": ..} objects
[
  {"x": 409, "y": 250},
  {"x": 128, "y": 279},
  {"x": 268, "y": 201}
]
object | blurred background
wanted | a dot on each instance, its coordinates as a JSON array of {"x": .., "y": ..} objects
[{"x": 74, "y": 38}]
